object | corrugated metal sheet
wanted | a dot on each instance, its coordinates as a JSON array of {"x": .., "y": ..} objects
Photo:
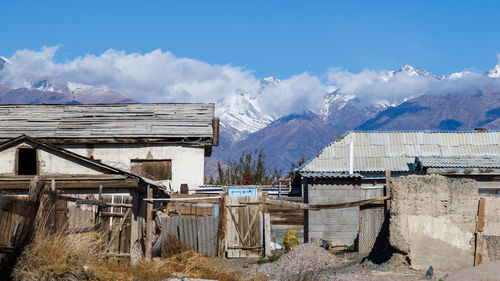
[
  {"x": 329, "y": 175},
  {"x": 460, "y": 162},
  {"x": 380, "y": 151},
  {"x": 107, "y": 121}
]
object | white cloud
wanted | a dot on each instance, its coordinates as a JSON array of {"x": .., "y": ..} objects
[
  {"x": 152, "y": 77},
  {"x": 296, "y": 94},
  {"x": 159, "y": 76},
  {"x": 370, "y": 85}
]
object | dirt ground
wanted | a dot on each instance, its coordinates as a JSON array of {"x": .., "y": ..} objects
[{"x": 349, "y": 266}]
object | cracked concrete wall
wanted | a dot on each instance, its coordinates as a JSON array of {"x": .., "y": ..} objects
[{"x": 433, "y": 221}]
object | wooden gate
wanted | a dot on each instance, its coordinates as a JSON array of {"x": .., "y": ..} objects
[{"x": 244, "y": 225}]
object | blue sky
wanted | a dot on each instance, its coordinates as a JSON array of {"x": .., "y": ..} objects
[{"x": 280, "y": 38}]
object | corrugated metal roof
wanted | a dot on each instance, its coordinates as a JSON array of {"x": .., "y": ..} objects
[
  {"x": 380, "y": 151},
  {"x": 152, "y": 121},
  {"x": 329, "y": 175},
  {"x": 459, "y": 162}
]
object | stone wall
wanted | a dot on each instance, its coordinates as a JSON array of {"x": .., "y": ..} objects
[{"x": 433, "y": 221}]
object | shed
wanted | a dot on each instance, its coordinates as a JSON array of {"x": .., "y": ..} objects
[{"x": 367, "y": 155}]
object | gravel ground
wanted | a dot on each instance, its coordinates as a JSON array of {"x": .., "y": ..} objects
[
  {"x": 311, "y": 262},
  {"x": 484, "y": 272},
  {"x": 297, "y": 263}
]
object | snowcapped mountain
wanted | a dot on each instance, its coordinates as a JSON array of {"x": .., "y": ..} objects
[
  {"x": 412, "y": 72},
  {"x": 334, "y": 101},
  {"x": 80, "y": 92},
  {"x": 242, "y": 111}
]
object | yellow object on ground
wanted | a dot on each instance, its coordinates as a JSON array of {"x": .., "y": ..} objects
[{"x": 290, "y": 240}]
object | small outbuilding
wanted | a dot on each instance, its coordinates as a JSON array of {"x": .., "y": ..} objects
[{"x": 353, "y": 168}]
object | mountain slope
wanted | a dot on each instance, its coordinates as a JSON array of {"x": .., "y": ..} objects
[{"x": 464, "y": 111}]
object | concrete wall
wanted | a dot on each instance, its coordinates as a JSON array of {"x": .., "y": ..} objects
[
  {"x": 187, "y": 161},
  {"x": 340, "y": 226},
  {"x": 433, "y": 221}
]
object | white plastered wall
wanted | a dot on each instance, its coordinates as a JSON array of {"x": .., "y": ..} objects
[
  {"x": 187, "y": 161},
  {"x": 49, "y": 163}
]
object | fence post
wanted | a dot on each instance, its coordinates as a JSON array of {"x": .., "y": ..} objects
[
  {"x": 267, "y": 226},
  {"x": 149, "y": 226},
  {"x": 478, "y": 257},
  {"x": 387, "y": 190},
  {"x": 222, "y": 225}
]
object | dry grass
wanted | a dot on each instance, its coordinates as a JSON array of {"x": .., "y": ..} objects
[
  {"x": 172, "y": 246},
  {"x": 61, "y": 256},
  {"x": 54, "y": 256},
  {"x": 187, "y": 264}
]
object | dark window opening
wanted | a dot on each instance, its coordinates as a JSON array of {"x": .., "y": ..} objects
[
  {"x": 152, "y": 169},
  {"x": 26, "y": 161}
]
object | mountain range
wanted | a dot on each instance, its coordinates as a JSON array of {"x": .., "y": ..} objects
[{"x": 285, "y": 139}]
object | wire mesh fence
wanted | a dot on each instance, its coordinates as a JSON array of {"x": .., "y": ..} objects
[
  {"x": 356, "y": 228},
  {"x": 491, "y": 231}
]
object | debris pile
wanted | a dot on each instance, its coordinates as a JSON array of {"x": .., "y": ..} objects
[{"x": 299, "y": 260}]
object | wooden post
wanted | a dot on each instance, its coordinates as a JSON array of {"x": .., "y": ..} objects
[
  {"x": 215, "y": 127},
  {"x": 478, "y": 257},
  {"x": 387, "y": 190},
  {"x": 266, "y": 226},
  {"x": 98, "y": 208},
  {"x": 53, "y": 207},
  {"x": 222, "y": 226},
  {"x": 149, "y": 226}
]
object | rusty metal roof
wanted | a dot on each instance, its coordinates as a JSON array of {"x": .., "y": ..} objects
[{"x": 380, "y": 151}]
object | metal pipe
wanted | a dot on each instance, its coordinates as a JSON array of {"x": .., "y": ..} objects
[
  {"x": 180, "y": 199},
  {"x": 351, "y": 158}
]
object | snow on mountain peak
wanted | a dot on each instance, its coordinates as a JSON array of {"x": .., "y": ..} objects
[
  {"x": 334, "y": 101},
  {"x": 413, "y": 71},
  {"x": 268, "y": 82}
]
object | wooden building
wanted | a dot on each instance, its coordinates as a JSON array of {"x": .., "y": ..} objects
[{"x": 112, "y": 153}]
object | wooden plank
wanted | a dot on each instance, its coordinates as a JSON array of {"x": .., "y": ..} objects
[
  {"x": 236, "y": 225},
  {"x": 17, "y": 206},
  {"x": 387, "y": 190},
  {"x": 25, "y": 225},
  {"x": 315, "y": 207},
  {"x": 480, "y": 214},
  {"x": 478, "y": 257},
  {"x": 116, "y": 233},
  {"x": 267, "y": 234},
  {"x": 111, "y": 214},
  {"x": 215, "y": 127},
  {"x": 222, "y": 227},
  {"x": 149, "y": 226},
  {"x": 4, "y": 249},
  {"x": 252, "y": 223},
  {"x": 78, "y": 184}
]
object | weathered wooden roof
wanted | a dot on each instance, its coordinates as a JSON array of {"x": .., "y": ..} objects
[{"x": 149, "y": 122}]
